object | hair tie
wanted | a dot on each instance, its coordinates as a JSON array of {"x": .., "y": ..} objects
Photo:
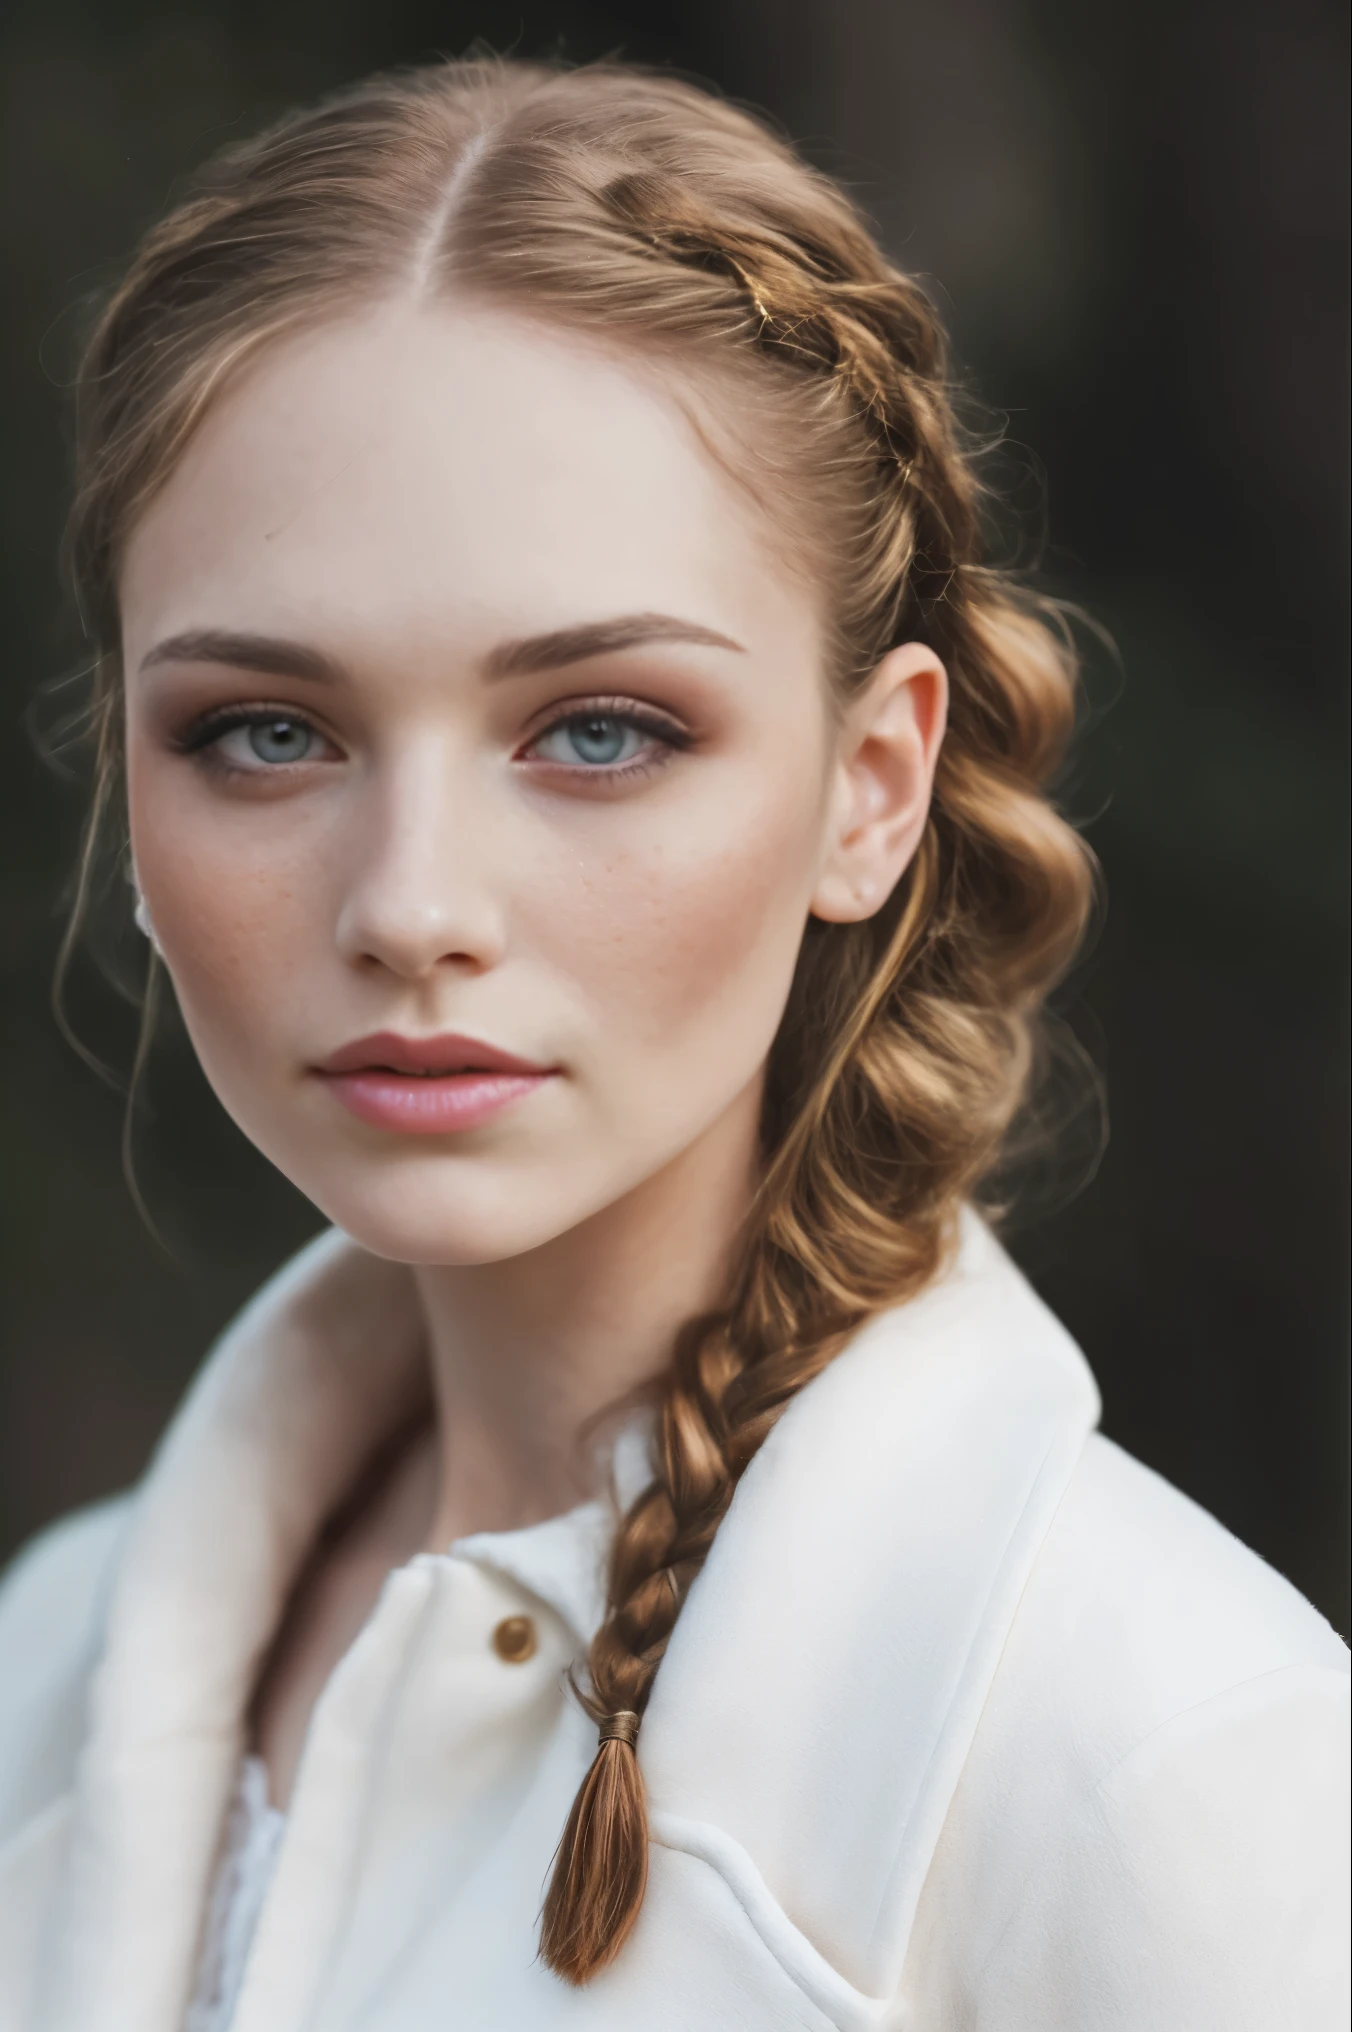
[{"x": 619, "y": 1728}]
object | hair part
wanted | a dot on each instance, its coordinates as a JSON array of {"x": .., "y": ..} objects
[{"x": 654, "y": 215}]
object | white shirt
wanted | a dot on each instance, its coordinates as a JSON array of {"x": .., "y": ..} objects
[
  {"x": 971, "y": 1724},
  {"x": 253, "y": 1834}
]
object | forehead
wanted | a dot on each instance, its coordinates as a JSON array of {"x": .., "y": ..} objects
[{"x": 419, "y": 470}]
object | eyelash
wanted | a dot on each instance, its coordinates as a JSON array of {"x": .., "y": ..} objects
[
  {"x": 672, "y": 737},
  {"x": 202, "y": 737}
]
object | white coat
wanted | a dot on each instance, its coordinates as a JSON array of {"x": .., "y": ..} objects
[{"x": 971, "y": 1724}]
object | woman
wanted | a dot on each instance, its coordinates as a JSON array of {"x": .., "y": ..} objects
[{"x": 590, "y": 799}]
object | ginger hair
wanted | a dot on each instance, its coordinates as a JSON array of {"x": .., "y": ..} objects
[{"x": 649, "y": 212}]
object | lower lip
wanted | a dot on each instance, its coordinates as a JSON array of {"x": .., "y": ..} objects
[{"x": 434, "y": 1106}]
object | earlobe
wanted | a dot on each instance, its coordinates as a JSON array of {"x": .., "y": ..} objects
[{"x": 889, "y": 745}]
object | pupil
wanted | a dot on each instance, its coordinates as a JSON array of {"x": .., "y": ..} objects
[
  {"x": 279, "y": 741},
  {"x": 598, "y": 740}
]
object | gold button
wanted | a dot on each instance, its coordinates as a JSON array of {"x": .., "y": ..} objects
[{"x": 514, "y": 1640}]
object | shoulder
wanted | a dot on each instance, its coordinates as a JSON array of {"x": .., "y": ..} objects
[
  {"x": 1151, "y": 1823},
  {"x": 1154, "y": 1655},
  {"x": 1140, "y": 1603},
  {"x": 52, "y": 1600},
  {"x": 1145, "y": 1623}
]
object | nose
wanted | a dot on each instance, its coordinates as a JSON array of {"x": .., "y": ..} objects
[{"x": 419, "y": 895}]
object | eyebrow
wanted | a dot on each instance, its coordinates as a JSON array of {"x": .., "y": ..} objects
[
  {"x": 599, "y": 638},
  {"x": 267, "y": 653},
  {"x": 274, "y": 656}
]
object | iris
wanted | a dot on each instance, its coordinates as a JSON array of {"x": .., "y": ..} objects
[
  {"x": 281, "y": 740},
  {"x": 598, "y": 740}
]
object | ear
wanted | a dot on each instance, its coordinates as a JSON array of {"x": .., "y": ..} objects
[{"x": 887, "y": 748}]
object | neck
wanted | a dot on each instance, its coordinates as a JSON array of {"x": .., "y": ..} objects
[{"x": 529, "y": 1354}]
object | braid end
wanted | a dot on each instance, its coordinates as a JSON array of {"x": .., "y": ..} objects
[{"x": 601, "y": 1870}]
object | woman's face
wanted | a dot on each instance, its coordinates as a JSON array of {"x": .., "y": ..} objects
[{"x": 481, "y": 773}]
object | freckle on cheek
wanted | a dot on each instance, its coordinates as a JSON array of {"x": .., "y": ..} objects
[{"x": 690, "y": 940}]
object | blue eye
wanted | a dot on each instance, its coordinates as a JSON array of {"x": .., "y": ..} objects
[
  {"x": 596, "y": 740},
  {"x": 280, "y": 740},
  {"x": 255, "y": 741}
]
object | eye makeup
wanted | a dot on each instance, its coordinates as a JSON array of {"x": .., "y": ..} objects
[
  {"x": 597, "y": 729},
  {"x": 280, "y": 737}
]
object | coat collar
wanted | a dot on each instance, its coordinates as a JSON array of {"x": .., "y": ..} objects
[
  {"x": 830, "y": 1667},
  {"x": 271, "y": 1433},
  {"x": 828, "y": 1670}
]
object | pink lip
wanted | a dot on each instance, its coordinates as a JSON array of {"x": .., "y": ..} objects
[{"x": 428, "y": 1086}]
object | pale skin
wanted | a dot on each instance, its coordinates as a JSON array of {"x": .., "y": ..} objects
[{"x": 366, "y": 530}]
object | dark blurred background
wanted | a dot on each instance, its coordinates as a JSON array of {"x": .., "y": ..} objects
[{"x": 1134, "y": 215}]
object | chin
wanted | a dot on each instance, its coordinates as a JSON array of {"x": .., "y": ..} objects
[{"x": 448, "y": 1213}]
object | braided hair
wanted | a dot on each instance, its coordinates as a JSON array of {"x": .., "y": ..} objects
[{"x": 661, "y": 219}]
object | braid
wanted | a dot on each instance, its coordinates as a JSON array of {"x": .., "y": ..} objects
[
  {"x": 730, "y": 1375},
  {"x": 634, "y": 206}
]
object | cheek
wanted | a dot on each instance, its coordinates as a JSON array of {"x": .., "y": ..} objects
[
  {"x": 683, "y": 942},
  {"x": 236, "y": 908}
]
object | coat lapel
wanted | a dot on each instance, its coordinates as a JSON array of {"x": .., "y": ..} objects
[
  {"x": 271, "y": 1436},
  {"x": 826, "y": 1678}
]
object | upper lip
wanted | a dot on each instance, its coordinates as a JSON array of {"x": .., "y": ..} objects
[{"x": 388, "y": 1051}]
